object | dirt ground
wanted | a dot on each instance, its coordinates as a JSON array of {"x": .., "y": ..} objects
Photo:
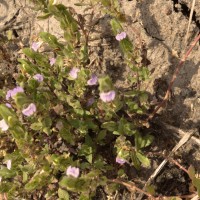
[{"x": 157, "y": 28}]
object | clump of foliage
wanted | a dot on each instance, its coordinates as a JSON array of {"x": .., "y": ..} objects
[{"x": 70, "y": 131}]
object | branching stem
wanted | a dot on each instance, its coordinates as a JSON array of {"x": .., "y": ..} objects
[{"x": 176, "y": 73}]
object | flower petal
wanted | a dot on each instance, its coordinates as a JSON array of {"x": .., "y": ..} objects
[
  {"x": 8, "y": 105},
  {"x": 90, "y": 101},
  {"x": 120, "y": 36},
  {"x": 13, "y": 92},
  {"x": 121, "y": 161},
  {"x": 93, "y": 80},
  {"x": 73, "y": 171},
  {"x": 29, "y": 110},
  {"x": 9, "y": 164},
  {"x": 74, "y": 72},
  {"x": 107, "y": 96},
  {"x": 3, "y": 125},
  {"x": 36, "y": 45},
  {"x": 38, "y": 77},
  {"x": 52, "y": 61}
]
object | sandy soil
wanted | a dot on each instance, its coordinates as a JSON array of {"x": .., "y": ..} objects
[{"x": 157, "y": 28}]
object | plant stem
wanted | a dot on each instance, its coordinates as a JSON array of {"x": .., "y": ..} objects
[
  {"x": 176, "y": 73},
  {"x": 179, "y": 165},
  {"x": 132, "y": 187}
]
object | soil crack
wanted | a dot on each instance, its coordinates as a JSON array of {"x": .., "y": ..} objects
[{"x": 185, "y": 11}]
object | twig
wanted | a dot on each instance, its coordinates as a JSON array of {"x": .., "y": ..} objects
[
  {"x": 10, "y": 23},
  {"x": 132, "y": 187},
  {"x": 190, "y": 19},
  {"x": 189, "y": 196},
  {"x": 183, "y": 140},
  {"x": 180, "y": 132},
  {"x": 179, "y": 165},
  {"x": 178, "y": 68},
  {"x": 196, "y": 197}
]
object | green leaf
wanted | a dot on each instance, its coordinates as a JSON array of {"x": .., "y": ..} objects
[
  {"x": 17, "y": 132},
  {"x": 105, "y": 84},
  {"x": 37, "y": 181},
  {"x": 80, "y": 4},
  {"x": 12, "y": 121},
  {"x": 131, "y": 93},
  {"x": 51, "y": 40},
  {"x": 151, "y": 189},
  {"x": 25, "y": 176},
  {"x": 196, "y": 183},
  {"x": 101, "y": 135},
  {"x": 84, "y": 197},
  {"x": 126, "y": 46},
  {"x": 143, "y": 159},
  {"x": 64, "y": 16},
  {"x": 74, "y": 184},
  {"x": 143, "y": 97},
  {"x": 84, "y": 53},
  {"x": 135, "y": 160},
  {"x": 141, "y": 142},
  {"x": 191, "y": 172},
  {"x": 66, "y": 134},
  {"x": 143, "y": 73},
  {"x": 21, "y": 100},
  {"x": 116, "y": 26},
  {"x": 36, "y": 126},
  {"x": 110, "y": 126},
  {"x": 86, "y": 151},
  {"x": 5, "y": 112},
  {"x": 125, "y": 127},
  {"x": 45, "y": 16},
  {"x": 6, "y": 173},
  {"x": 63, "y": 194}
]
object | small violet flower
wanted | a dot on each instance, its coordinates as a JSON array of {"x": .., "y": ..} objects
[
  {"x": 120, "y": 36},
  {"x": 36, "y": 45},
  {"x": 121, "y": 161},
  {"x": 29, "y": 110},
  {"x": 8, "y": 105},
  {"x": 93, "y": 80},
  {"x": 90, "y": 101},
  {"x": 107, "y": 96},
  {"x": 3, "y": 125},
  {"x": 9, "y": 163},
  {"x": 13, "y": 92},
  {"x": 38, "y": 77},
  {"x": 52, "y": 61},
  {"x": 59, "y": 125},
  {"x": 74, "y": 72},
  {"x": 73, "y": 171}
]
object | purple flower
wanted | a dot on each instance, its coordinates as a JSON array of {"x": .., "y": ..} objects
[
  {"x": 107, "y": 96},
  {"x": 36, "y": 45},
  {"x": 120, "y": 36},
  {"x": 13, "y": 92},
  {"x": 8, "y": 105},
  {"x": 3, "y": 125},
  {"x": 121, "y": 161},
  {"x": 90, "y": 101},
  {"x": 59, "y": 125},
  {"x": 9, "y": 163},
  {"x": 74, "y": 72},
  {"x": 93, "y": 80},
  {"x": 29, "y": 110},
  {"x": 38, "y": 77},
  {"x": 73, "y": 171},
  {"x": 52, "y": 61}
]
